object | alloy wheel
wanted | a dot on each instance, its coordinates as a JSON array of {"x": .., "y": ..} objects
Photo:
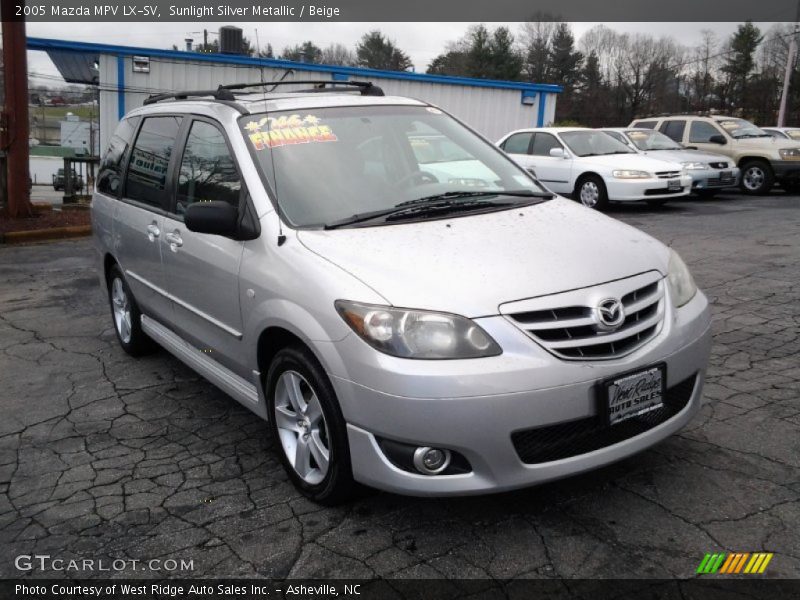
[
  {"x": 301, "y": 427},
  {"x": 122, "y": 310}
]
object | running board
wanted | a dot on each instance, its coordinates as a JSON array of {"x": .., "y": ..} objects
[{"x": 229, "y": 382}]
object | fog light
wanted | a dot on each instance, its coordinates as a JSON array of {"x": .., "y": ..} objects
[{"x": 431, "y": 461}]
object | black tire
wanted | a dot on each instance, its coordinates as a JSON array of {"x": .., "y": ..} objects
[
  {"x": 707, "y": 193},
  {"x": 757, "y": 177},
  {"x": 136, "y": 342},
  {"x": 337, "y": 485},
  {"x": 591, "y": 186}
]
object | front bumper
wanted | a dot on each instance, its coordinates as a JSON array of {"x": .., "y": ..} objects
[
  {"x": 630, "y": 190},
  {"x": 710, "y": 179},
  {"x": 786, "y": 169},
  {"x": 473, "y": 406}
]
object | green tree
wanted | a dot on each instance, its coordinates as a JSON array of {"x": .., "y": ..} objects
[
  {"x": 506, "y": 62},
  {"x": 741, "y": 61},
  {"x": 376, "y": 51},
  {"x": 307, "y": 52},
  {"x": 452, "y": 62},
  {"x": 479, "y": 55},
  {"x": 565, "y": 62}
]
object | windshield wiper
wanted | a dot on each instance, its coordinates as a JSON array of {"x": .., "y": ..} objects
[{"x": 446, "y": 202}]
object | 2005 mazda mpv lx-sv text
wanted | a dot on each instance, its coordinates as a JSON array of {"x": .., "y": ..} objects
[{"x": 405, "y": 306}]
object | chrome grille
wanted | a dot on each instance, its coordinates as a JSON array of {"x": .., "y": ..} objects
[
  {"x": 667, "y": 174},
  {"x": 573, "y": 332}
]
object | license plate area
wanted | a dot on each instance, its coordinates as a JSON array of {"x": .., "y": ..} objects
[
  {"x": 674, "y": 185},
  {"x": 632, "y": 394}
]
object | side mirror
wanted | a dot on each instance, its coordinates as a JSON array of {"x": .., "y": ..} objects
[
  {"x": 718, "y": 139},
  {"x": 215, "y": 217},
  {"x": 558, "y": 153}
]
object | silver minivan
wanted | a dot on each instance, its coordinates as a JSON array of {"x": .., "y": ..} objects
[{"x": 405, "y": 306}]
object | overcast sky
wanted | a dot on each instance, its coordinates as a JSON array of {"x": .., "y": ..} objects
[{"x": 422, "y": 41}]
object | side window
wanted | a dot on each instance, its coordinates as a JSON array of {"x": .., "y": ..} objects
[
  {"x": 701, "y": 131},
  {"x": 542, "y": 143},
  {"x": 109, "y": 174},
  {"x": 674, "y": 129},
  {"x": 147, "y": 170},
  {"x": 208, "y": 171},
  {"x": 518, "y": 143},
  {"x": 645, "y": 124}
]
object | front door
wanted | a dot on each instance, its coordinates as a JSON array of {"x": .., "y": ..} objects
[
  {"x": 202, "y": 270},
  {"x": 553, "y": 171}
]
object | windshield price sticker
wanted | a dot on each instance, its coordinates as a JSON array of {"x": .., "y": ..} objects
[
  {"x": 287, "y": 131},
  {"x": 730, "y": 125},
  {"x": 638, "y": 135}
]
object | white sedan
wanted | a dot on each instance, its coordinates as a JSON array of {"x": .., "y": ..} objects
[{"x": 594, "y": 166}]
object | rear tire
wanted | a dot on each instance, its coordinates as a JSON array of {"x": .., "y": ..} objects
[
  {"x": 308, "y": 428},
  {"x": 590, "y": 190},
  {"x": 126, "y": 316},
  {"x": 757, "y": 177}
]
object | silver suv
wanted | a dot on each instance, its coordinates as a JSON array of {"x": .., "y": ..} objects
[{"x": 404, "y": 305}]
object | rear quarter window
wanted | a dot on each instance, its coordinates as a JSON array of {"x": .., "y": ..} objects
[{"x": 645, "y": 124}]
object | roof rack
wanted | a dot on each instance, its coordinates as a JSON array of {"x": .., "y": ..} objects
[{"x": 226, "y": 93}]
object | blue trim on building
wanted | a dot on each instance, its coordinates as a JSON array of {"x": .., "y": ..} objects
[
  {"x": 340, "y": 77},
  {"x": 87, "y": 47},
  {"x": 540, "y": 112},
  {"x": 120, "y": 86}
]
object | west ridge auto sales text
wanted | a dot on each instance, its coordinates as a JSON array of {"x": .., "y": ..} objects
[
  {"x": 170, "y": 590},
  {"x": 254, "y": 10}
]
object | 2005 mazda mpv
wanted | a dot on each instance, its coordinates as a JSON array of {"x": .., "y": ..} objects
[{"x": 403, "y": 304}]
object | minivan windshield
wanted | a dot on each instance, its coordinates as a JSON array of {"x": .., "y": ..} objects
[
  {"x": 338, "y": 166},
  {"x": 593, "y": 143},
  {"x": 739, "y": 128},
  {"x": 652, "y": 140}
]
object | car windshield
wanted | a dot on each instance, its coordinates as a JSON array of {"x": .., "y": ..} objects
[
  {"x": 593, "y": 143},
  {"x": 330, "y": 165},
  {"x": 793, "y": 133},
  {"x": 652, "y": 140},
  {"x": 739, "y": 128}
]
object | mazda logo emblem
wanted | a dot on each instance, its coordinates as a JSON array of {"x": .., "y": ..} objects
[{"x": 609, "y": 314}]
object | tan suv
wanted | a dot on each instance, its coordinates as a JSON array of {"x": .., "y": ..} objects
[{"x": 762, "y": 159}]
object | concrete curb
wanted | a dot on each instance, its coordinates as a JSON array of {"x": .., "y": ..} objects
[{"x": 43, "y": 235}]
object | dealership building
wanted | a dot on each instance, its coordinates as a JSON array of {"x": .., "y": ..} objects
[{"x": 126, "y": 76}]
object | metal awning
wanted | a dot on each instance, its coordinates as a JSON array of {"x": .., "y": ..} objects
[{"x": 76, "y": 67}]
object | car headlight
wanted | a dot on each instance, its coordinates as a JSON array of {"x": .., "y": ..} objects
[
  {"x": 681, "y": 284},
  {"x": 628, "y": 174},
  {"x": 790, "y": 153},
  {"x": 417, "y": 333},
  {"x": 694, "y": 166}
]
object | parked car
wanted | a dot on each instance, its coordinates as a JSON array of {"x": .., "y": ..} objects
[
  {"x": 762, "y": 159},
  {"x": 784, "y": 133},
  {"x": 594, "y": 167},
  {"x": 395, "y": 325},
  {"x": 59, "y": 180},
  {"x": 709, "y": 172}
]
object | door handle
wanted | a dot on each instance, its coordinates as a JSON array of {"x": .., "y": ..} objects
[
  {"x": 153, "y": 232},
  {"x": 174, "y": 240}
]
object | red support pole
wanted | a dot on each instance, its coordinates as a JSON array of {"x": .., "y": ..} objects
[{"x": 15, "y": 114}]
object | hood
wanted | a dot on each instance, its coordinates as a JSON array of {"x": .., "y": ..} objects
[
  {"x": 770, "y": 143},
  {"x": 469, "y": 265},
  {"x": 679, "y": 156},
  {"x": 630, "y": 161}
]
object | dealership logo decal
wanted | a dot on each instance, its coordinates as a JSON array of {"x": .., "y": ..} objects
[
  {"x": 610, "y": 314},
  {"x": 735, "y": 563}
]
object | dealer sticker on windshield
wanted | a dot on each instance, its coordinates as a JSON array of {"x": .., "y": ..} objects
[
  {"x": 634, "y": 394},
  {"x": 270, "y": 132}
]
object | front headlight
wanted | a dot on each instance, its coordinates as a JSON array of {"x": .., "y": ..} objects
[
  {"x": 694, "y": 166},
  {"x": 416, "y": 333},
  {"x": 628, "y": 174},
  {"x": 790, "y": 153},
  {"x": 681, "y": 284}
]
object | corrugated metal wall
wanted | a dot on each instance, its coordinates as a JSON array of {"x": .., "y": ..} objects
[{"x": 491, "y": 111}]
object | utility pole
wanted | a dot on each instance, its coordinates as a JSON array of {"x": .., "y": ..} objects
[
  {"x": 15, "y": 114},
  {"x": 787, "y": 75}
]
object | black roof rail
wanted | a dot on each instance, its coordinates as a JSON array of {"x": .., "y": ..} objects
[
  {"x": 225, "y": 93},
  {"x": 367, "y": 88}
]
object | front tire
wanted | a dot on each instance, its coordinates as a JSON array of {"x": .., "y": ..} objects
[
  {"x": 757, "y": 177},
  {"x": 308, "y": 427},
  {"x": 591, "y": 192},
  {"x": 126, "y": 315}
]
